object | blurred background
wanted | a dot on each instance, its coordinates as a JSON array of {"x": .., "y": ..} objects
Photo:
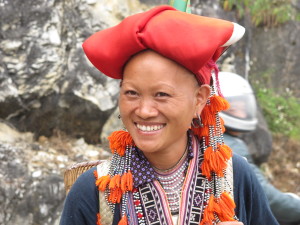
[{"x": 57, "y": 110}]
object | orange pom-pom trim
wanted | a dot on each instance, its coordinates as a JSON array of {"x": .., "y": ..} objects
[
  {"x": 227, "y": 207},
  {"x": 223, "y": 207},
  {"x": 201, "y": 131},
  {"x": 208, "y": 215},
  {"x": 215, "y": 160},
  {"x": 98, "y": 219},
  {"x": 218, "y": 103},
  {"x": 208, "y": 117},
  {"x": 102, "y": 182},
  {"x": 115, "y": 195},
  {"x": 127, "y": 182},
  {"x": 115, "y": 182},
  {"x": 123, "y": 221},
  {"x": 118, "y": 141}
]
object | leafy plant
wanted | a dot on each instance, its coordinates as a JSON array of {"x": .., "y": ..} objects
[
  {"x": 281, "y": 112},
  {"x": 264, "y": 12}
]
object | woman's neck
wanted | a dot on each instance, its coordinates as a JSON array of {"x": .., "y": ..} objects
[{"x": 165, "y": 160}]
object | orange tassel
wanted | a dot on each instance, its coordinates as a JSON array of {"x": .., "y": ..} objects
[
  {"x": 102, "y": 182},
  {"x": 222, "y": 121},
  {"x": 227, "y": 207},
  {"x": 115, "y": 195},
  {"x": 123, "y": 221},
  {"x": 115, "y": 182},
  {"x": 218, "y": 103},
  {"x": 98, "y": 219},
  {"x": 225, "y": 151},
  {"x": 206, "y": 168},
  {"x": 215, "y": 160},
  {"x": 208, "y": 215},
  {"x": 127, "y": 182},
  {"x": 118, "y": 141},
  {"x": 208, "y": 116}
]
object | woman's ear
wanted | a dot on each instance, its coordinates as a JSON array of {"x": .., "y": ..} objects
[{"x": 202, "y": 94}]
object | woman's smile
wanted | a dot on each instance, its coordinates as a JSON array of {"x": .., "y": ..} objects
[{"x": 149, "y": 128}]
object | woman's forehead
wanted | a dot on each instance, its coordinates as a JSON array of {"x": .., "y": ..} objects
[{"x": 152, "y": 63}]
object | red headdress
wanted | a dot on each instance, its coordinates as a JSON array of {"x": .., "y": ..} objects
[{"x": 190, "y": 40}]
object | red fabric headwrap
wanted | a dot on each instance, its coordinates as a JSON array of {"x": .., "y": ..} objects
[{"x": 190, "y": 40}]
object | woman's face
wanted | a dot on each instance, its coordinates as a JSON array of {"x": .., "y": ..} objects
[{"x": 158, "y": 100}]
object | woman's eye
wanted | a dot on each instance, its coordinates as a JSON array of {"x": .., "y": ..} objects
[
  {"x": 130, "y": 93},
  {"x": 162, "y": 94}
]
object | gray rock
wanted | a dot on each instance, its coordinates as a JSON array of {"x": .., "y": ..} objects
[
  {"x": 275, "y": 57},
  {"x": 46, "y": 81},
  {"x": 27, "y": 199},
  {"x": 31, "y": 174}
]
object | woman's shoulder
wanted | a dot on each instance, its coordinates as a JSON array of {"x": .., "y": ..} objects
[
  {"x": 239, "y": 162},
  {"x": 242, "y": 172}
]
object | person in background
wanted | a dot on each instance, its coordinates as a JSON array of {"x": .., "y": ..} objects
[{"x": 241, "y": 118}]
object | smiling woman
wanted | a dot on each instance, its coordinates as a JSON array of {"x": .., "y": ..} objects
[{"x": 171, "y": 165}]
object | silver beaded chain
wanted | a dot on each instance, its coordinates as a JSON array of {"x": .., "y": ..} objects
[{"x": 172, "y": 184}]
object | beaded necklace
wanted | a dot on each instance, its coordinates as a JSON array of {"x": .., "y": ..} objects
[{"x": 172, "y": 180}]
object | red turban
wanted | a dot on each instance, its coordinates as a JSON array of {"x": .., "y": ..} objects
[{"x": 190, "y": 40}]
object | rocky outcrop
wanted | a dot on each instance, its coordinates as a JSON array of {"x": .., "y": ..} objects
[
  {"x": 275, "y": 57},
  {"x": 46, "y": 81}
]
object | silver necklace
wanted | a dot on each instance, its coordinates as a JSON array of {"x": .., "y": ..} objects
[{"x": 172, "y": 183}]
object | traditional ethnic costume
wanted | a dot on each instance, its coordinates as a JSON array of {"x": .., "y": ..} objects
[{"x": 200, "y": 188}]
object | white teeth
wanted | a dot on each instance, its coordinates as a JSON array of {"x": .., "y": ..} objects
[{"x": 149, "y": 128}]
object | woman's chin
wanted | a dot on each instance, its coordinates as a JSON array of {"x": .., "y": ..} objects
[{"x": 147, "y": 147}]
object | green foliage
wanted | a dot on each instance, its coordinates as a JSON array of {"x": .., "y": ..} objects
[
  {"x": 264, "y": 12},
  {"x": 281, "y": 112}
]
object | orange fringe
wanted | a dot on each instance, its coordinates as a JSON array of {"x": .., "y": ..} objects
[
  {"x": 227, "y": 207},
  {"x": 115, "y": 195},
  {"x": 215, "y": 160},
  {"x": 208, "y": 116},
  {"x": 218, "y": 103},
  {"x": 115, "y": 182},
  {"x": 118, "y": 141},
  {"x": 102, "y": 182},
  {"x": 123, "y": 221},
  {"x": 127, "y": 182},
  {"x": 208, "y": 215},
  {"x": 223, "y": 207},
  {"x": 225, "y": 151},
  {"x": 98, "y": 219}
]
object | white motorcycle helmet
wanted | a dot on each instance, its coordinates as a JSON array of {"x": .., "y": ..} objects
[{"x": 241, "y": 116}]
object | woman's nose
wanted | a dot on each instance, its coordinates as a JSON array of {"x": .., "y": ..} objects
[{"x": 146, "y": 109}]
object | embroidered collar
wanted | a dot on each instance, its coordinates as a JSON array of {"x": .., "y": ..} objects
[{"x": 141, "y": 168}]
